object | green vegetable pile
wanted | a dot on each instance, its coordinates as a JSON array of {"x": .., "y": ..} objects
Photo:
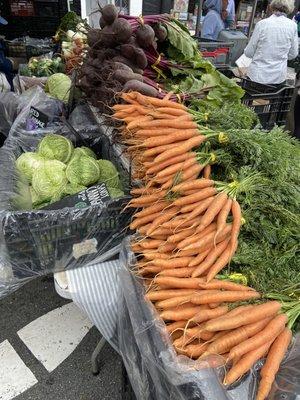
[
  {"x": 68, "y": 22},
  {"x": 268, "y": 253},
  {"x": 59, "y": 86},
  {"x": 42, "y": 67},
  {"x": 56, "y": 170}
]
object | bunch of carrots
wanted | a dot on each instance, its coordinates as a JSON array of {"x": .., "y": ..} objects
[{"x": 187, "y": 231}]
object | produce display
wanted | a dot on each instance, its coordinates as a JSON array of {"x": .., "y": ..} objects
[
  {"x": 57, "y": 169},
  {"x": 193, "y": 222},
  {"x": 41, "y": 67},
  {"x": 152, "y": 55},
  {"x": 59, "y": 86}
]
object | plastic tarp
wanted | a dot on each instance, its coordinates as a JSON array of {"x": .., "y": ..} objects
[{"x": 36, "y": 242}]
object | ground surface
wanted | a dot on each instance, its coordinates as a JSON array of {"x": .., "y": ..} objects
[{"x": 45, "y": 349}]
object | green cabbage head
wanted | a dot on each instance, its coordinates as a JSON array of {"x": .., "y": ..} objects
[
  {"x": 73, "y": 188},
  {"x": 83, "y": 170},
  {"x": 114, "y": 192},
  {"x": 83, "y": 151},
  {"x": 56, "y": 147},
  {"x": 109, "y": 174},
  {"x": 27, "y": 163},
  {"x": 49, "y": 181},
  {"x": 59, "y": 86}
]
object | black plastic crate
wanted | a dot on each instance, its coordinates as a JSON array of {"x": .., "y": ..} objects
[
  {"x": 217, "y": 52},
  {"x": 37, "y": 242},
  {"x": 271, "y": 103}
]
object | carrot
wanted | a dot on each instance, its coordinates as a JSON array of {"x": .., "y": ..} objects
[
  {"x": 210, "y": 259},
  {"x": 175, "y": 325},
  {"x": 208, "y": 239},
  {"x": 246, "y": 362},
  {"x": 222, "y": 296},
  {"x": 139, "y": 122},
  {"x": 209, "y": 314},
  {"x": 188, "y": 283},
  {"x": 163, "y": 217},
  {"x": 136, "y": 248},
  {"x": 195, "y": 350},
  {"x": 173, "y": 169},
  {"x": 151, "y": 269},
  {"x": 191, "y": 199},
  {"x": 146, "y": 100},
  {"x": 148, "y": 198},
  {"x": 166, "y": 247},
  {"x": 271, "y": 331},
  {"x": 178, "y": 315},
  {"x": 195, "y": 184},
  {"x": 172, "y": 263},
  {"x": 195, "y": 238},
  {"x": 236, "y": 224},
  {"x": 153, "y": 209},
  {"x": 154, "y": 168},
  {"x": 153, "y": 151},
  {"x": 156, "y": 131},
  {"x": 167, "y": 294},
  {"x": 152, "y": 255},
  {"x": 151, "y": 243},
  {"x": 213, "y": 210},
  {"x": 197, "y": 209},
  {"x": 272, "y": 364},
  {"x": 175, "y": 123},
  {"x": 200, "y": 257},
  {"x": 142, "y": 191},
  {"x": 181, "y": 223},
  {"x": 258, "y": 312},
  {"x": 173, "y": 111},
  {"x": 184, "y": 175},
  {"x": 143, "y": 220},
  {"x": 222, "y": 216},
  {"x": 183, "y": 272},
  {"x": 207, "y": 171},
  {"x": 183, "y": 134},
  {"x": 159, "y": 231},
  {"x": 179, "y": 149},
  {"x": 225, "y": 285},
  {"x": 221, "y": 262},
  {"x": 177, "y": 237},
  {"x": 177, "y": 301},
  {"x": 236, "y": 336}
]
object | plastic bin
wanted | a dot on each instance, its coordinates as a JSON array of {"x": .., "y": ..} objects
[
  {"x": 38, "y": 242},
  {"x": 270, "y": 103},
  {"x": 218, "y": 53}
]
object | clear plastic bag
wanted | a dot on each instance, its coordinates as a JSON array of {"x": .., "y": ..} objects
[
  {"x": 9, "y": 103},
  {"x": 156, "y": 372},
  {"x": 36, "y": 242}
]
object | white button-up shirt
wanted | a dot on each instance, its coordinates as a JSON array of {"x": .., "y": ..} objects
[{"x": 273, "y": 42}]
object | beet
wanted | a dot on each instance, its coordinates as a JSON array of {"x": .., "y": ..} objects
[
  {"x": 122, "y": 30},
  {"x": 160, "y": 32},
  {"x": 125, "y": 76},
  {"x": 141, "y": 87},
  {"x": 128, "y": 50},
  {"x": 109, "y": 13},
  {"x": 102, "y": 22},
  {"x": 124, "y": 67},
  {"x": 108, "y": 37},
  {"x": 93, "y": 37},
  {"x": 145, "y": 36},
  {"x": 140, "y": 58}
]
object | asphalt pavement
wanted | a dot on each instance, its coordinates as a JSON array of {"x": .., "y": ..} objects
[{"x": 46, "y": 355}]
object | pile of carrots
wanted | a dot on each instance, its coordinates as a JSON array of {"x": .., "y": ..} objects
[{"x": 187, "y": 231}]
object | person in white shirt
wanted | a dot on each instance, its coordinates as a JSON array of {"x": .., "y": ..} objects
[
  {"x": 274, "y": 41},
  {"x": 230, "y": 18}
]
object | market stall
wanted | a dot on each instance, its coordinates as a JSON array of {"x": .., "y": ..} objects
[{"x": 162, "y": 206}]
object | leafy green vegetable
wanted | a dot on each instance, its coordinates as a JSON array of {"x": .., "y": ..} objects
[
  {"x": 72, "y": 188},
  {"x": 114, "y": 192},
  {"x": 56, "y": 147},
  {"x": 68, "y": 22},
  {"x": 268, "y": 253},
  {"x": 229, "y": 116},
  {"x": 83, "y": 151},
  {"x": 108, "y": 174},
  {"x": 181, "y": 40},
  {"x": 49, "y": 181},
  {"x": 83, "y": 170},
  {"x": 59, "y": 86},
  {"x": 27, "y": 163},
  {"x": 42, "y": 67}
]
